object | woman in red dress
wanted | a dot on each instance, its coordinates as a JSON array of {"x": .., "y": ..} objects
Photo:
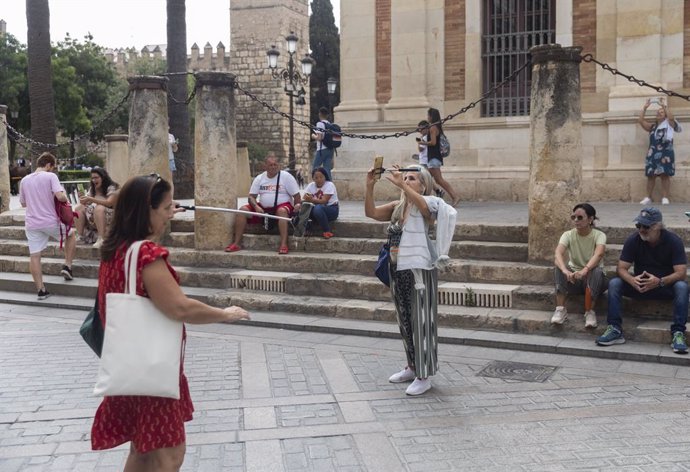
[{"x": 154, "y": 426}]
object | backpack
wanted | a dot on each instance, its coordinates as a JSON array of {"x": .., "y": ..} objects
[
  {"x": 66, "y": 216},
  {"x": 332, "y": 136},
  {"x": 444, "y": 146}
]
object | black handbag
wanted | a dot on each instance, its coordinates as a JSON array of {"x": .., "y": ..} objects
[
  {"x": 382, "y": 270},
  {"x": 92, "y": 330}
]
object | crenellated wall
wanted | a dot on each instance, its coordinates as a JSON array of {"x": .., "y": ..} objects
[{"x": 206, "y": 60}]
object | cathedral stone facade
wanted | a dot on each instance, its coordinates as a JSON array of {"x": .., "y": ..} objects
[{"x": 399, "y": 57}]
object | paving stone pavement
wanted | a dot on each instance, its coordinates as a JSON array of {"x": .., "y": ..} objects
[{"x": 275, "y": 400}]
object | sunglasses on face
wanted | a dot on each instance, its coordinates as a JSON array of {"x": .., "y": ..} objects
[
  {"x": 155, "y": 176},
  {"x": 577, "y": 217},
  {"x": 639, "y": 226}
]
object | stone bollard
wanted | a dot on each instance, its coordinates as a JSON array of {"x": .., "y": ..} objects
[
  {"x": 215, "y": 148},
  {"x": 4, "y": 162},
  {"x": 555, "y": 147},
  {"x": 148, "y": 127},
  {"x": 244, "y": 176},
  {"x": 117, "y": 157}
]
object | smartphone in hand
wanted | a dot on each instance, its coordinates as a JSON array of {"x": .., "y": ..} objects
[{"x": 378, "y": 167}]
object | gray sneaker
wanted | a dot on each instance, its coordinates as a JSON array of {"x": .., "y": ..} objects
[{"x": 611, "y": 336}]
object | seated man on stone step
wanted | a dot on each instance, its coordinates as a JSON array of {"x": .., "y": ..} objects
[
  {"x": 274, "y": 192},
  {"x": 581, "y": 273},
  {"x": 660, "y": 273}
]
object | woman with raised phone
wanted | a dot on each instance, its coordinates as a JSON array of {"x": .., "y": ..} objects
[
  {"x": 154, "y": 426},
  {"x": 414, "y": 260}
]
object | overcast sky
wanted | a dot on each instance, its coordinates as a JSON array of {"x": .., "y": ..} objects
[{"x": 126, "y": 23}]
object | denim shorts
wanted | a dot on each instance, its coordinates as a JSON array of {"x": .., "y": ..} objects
[{"x": 434, "y": 163}]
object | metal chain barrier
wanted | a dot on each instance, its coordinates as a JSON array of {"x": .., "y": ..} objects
[
  {"x": 633, "y": 79},
  {"x": 19, "y": 138},
  {"x": 185, "y": 101},
  {"x": 398, "y": 134}
]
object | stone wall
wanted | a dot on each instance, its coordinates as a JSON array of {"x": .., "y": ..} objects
[
  {"x": 255, "y": 26},
  {"x": 206, "y": 60}
]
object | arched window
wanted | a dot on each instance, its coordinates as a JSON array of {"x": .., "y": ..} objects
[{"x": 510, "y": 29}]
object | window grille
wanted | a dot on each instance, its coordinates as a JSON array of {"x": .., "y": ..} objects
[{"x": 511, "y": 28}]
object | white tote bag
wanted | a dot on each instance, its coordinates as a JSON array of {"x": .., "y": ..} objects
[{"x": 142, "y": 347}]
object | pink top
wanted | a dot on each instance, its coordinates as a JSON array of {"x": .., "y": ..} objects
[{"x": 37, "y": 193}]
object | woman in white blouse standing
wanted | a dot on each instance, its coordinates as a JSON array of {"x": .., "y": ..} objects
[{"x": 413, "y": 266}]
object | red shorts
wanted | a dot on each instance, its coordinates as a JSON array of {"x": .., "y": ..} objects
[{"x": 258, "y": 220}]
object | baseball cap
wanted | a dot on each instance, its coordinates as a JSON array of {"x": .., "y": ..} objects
[{"x": 648, "y": 216}]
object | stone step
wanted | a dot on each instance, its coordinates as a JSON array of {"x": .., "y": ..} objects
[
  {"x": 489, "y": 250},
  {"x": 360, "y": 228},
  {"x": 496, "y": 251},
  {"x": 323, "y": 285},
  {"x": 15, "y": 218},
  {"x": 338, "y": 286},
  {"x": 513, "y": 329},
  {"x": 542, "y": 297},
  {"x": 482, "y": 250},
  {"x": 462, "y": 270}
]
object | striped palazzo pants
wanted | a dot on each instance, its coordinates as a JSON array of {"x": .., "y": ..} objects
[{"x": 415, "y": 296}]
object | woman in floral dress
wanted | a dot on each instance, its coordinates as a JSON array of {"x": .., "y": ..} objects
[
  {"x": 661, "y": 160},
  {"x": 153, "y": 426}
]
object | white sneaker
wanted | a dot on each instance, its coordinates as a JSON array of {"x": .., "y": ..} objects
[
  {"x": 646, "y": 201},
  {"x": 665, "y": 201},
  {"x": 418, "y": 387},
  {"x": 98, "y": 243},
  {"x": 590, "y": 319},
  {"x": 559, "y": 315},
  {"x": 404, "y": 375}
]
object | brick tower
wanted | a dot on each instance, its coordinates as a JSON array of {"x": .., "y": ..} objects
[{"x": 256, "y": 25}]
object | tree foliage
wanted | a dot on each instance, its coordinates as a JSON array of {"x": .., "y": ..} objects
[
  {"x": 14, "y": 87},
  {"x": 94, "y": 82},
  {"x": 324, "y": 40},
  {"x": 85, "y": 87}
]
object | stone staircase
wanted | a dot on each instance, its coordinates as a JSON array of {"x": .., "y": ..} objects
[{"x": 489, "y": 286}]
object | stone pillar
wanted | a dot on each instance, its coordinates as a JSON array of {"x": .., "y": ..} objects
[
  {"x": 358, "y": 87},
  {"x": 148, "y": 127},
  {"x": 416, "y": 55},
  {"x": 244, "y": 176},
  {"x": 117, "y": 157},
  {"x": 4, "y": 162},
  {"x": 555, "y": 146},
  {"x": 215, "y": 148}
]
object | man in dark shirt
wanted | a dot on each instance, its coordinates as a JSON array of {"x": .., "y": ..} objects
[{"x": 660, "y": 273}]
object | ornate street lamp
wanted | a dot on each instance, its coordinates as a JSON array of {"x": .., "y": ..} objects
[
  {"x": 331, "y": 85},
  {"x": 294, "y": 83}
]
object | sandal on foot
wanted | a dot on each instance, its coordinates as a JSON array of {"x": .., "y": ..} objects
[
  {"x": 283, "y": 250},
  {"x": 232, "y": 248}
]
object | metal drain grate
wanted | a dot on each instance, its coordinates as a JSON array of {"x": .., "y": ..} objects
[
  {"x": 517, "y": 371},
  {"x": 481, "y": 295},
  {"x": 258, "y": 283}
]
